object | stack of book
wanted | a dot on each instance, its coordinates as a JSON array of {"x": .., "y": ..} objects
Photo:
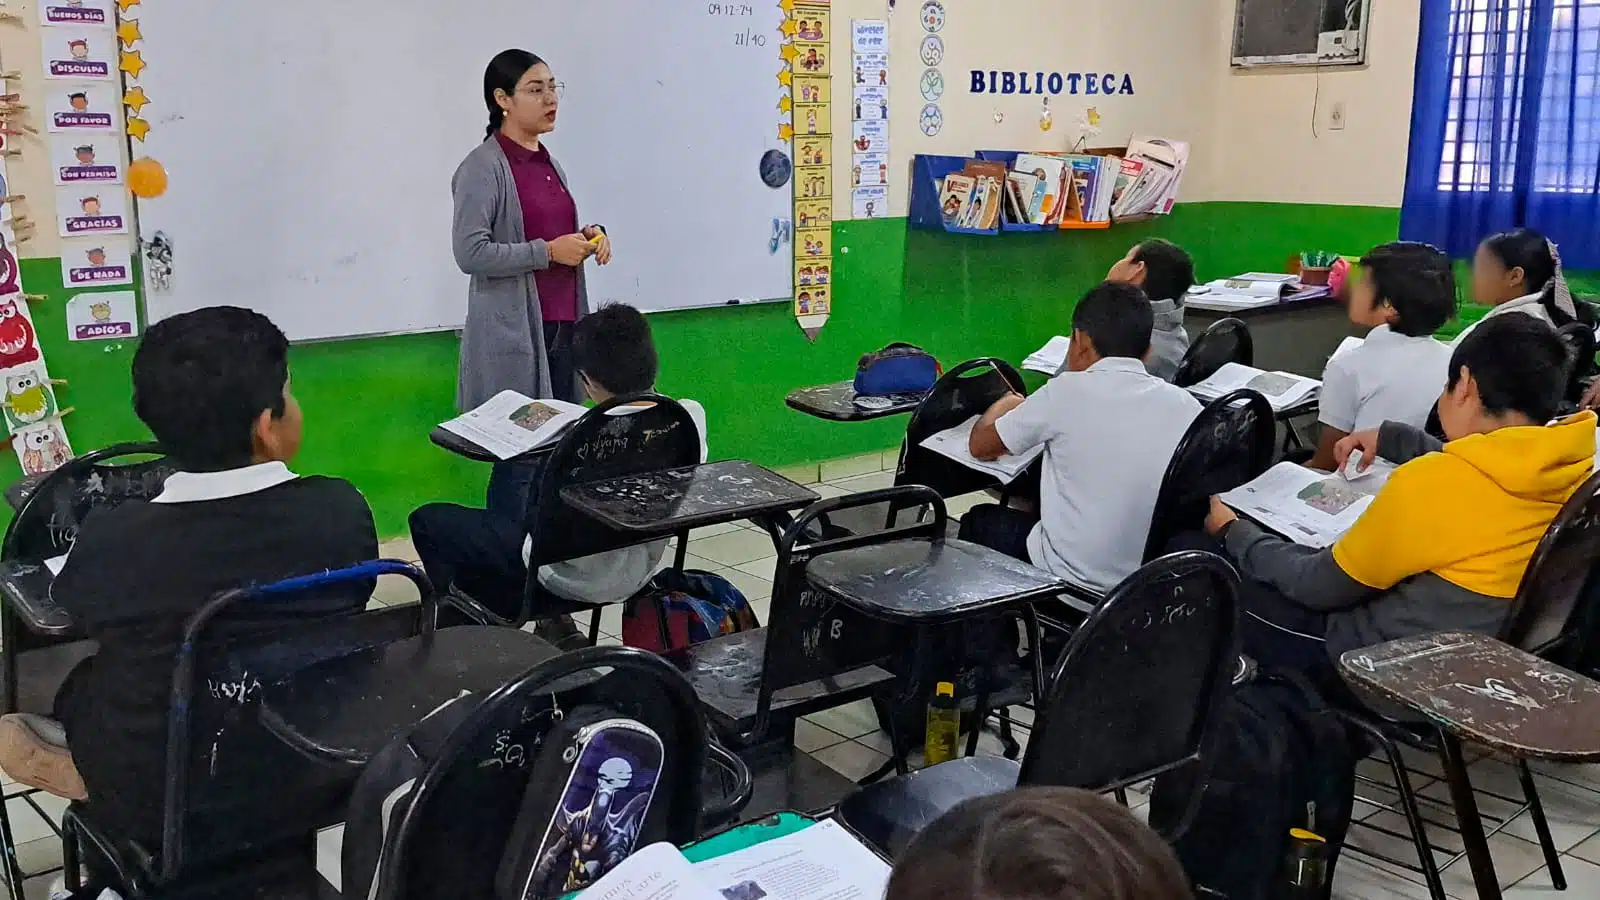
[
  {"x": 972, "y": 197},
  {"x": 1068, "y": 190}
]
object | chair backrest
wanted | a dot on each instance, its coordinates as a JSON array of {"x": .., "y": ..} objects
[
  {"x": 1580, "y": 341},
  {"x": 1142, "y": 679},
  {"x": 963, "y": 392},
  {"x": 1225, "y": 341},
  {"x": 1228, "y": 444},
  {"x": 217, "y": 676},
  {"x": 436, "y": 853},
  {"x": 1545, "y": 612},
  {"x": 811, "y": 635},
  {"x": 48, "y": 522}
]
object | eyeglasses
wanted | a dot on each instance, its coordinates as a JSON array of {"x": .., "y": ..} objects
[{"x": 546, "y": 92}]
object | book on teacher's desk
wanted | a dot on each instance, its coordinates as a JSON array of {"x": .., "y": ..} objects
[{"x": 511, "y": 424}]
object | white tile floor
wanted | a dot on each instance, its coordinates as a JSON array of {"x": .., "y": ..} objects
[{"x": 848, "y": 740}]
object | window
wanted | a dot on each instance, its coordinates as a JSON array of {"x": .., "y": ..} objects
[{"x": 1490, "y": 73}]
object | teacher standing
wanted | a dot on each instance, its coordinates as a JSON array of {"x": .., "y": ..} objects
[{"x": 516, "y": 233}]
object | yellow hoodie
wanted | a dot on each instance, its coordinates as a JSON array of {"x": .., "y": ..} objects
[{"x": 1474, "y": 513}]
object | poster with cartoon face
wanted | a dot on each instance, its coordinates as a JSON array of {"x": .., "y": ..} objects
[
  {"x": 870, "y": 202},
  {"x": 42, "y": 448},
  {"x": 91, "y": 209},
  {"x": 813, "y": 245},
  {"x": 871, "y": 102},
  {"x": 813, "y": 273},
  {"x": 870, "y": 70},
  {"x": 8, "y": 264},
  {"x": 77, "y": 12},
  {"x": 812, "y": 214},
  {"x": 813, "y": 183},
  {"x": 19, "y": 344},
  {"x": 89, "y": 261},
  {"x": 869, "y": 169},
  {"x": 812, "y": 90},
  {"x": 870, "y": 137},
  {"x": 81, "y": 107},
  {"x": 106, "y": 316},
  {"x": 812, "y": 59},
  {"x": 88, "y": 159},
  {"x": 29, "y": 397},
  {"x": 812, "y": 26},
  {"x": 79, "y": 53}
]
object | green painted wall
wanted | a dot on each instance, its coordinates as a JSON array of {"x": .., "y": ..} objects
[{"x": 370, "y": 403}]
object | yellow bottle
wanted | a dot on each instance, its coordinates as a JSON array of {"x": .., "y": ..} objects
[{"x": 944, "y": 725}]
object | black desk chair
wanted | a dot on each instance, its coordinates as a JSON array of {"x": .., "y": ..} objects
[
  {"x": 816, "y": 652},
  {"x": 963, "y": 392},
  {"x": 1580, "y": 341},
  {"x": 1545, "y": 619},
  {"x": 1227, "y": 445},
  {"x": 448, "y": 838},
  {"x": 597, "y": 447},
  {"x": 206, "y": 843},
  {"x": 38, "y": 643},
  {"x": 1132, "y": 696},
  {"x": 1227, "y": 340}
]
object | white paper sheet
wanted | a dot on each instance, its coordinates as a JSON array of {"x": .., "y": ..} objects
[
  {"x": 1050, "y": 358},
  {"x": 953, "y": 443},
  {"x": 823, "y": 862}
]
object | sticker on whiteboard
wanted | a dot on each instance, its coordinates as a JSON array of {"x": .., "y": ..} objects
[
  {"x": 931, "y": 120},
  {"x": 933, "y": 16},
  {"x": 86, "y": 160},
  {"x": 82, "y": 210},
  {"x": 91, "y": 262},
  {"x": 103, "y": 317},
  {"x": 79, "y": 52},
  {"x": 932, "y": 50},
  {"x": 870, "y": 202},
  {"x": 76, "y": 12},
  {"x": 871, "y": 137},
  {"x": 81, "y": 107}
]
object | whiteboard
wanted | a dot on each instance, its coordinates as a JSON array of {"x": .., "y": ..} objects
[{"x": 310, "y": 146}]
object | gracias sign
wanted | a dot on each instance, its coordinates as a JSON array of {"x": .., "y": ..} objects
[{"x": 995, "y": 81}]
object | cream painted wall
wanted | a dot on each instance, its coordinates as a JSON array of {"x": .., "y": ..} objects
[{"x": 1266, "y": 147}]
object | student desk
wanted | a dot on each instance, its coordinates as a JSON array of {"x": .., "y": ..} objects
[
  {"x": 1296, "y": 336},
  {"x": 19, "y": 490},
  {"x": 674, "y": 500},
  {"x": 460, "y": 446},
  {"x": 1474, "y": 688},
  {"x": 344, "y": 710},
  {"x": 838, "y": 402}
]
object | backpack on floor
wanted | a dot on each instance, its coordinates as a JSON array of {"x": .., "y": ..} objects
[
  {"x": 585, "y": 809},
  {"x": 697, "y": 606},
  {"x": 1280, "y": 760}
]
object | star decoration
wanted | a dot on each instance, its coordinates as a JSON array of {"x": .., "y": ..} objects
[
  {"x": 786, "y": 132},
  {"x": 786, "y": 77},
  {"x": 785, "y": 5},
  {"x": 785, "y": 104},
  {"x": 138, "y": 128},
  {"x": 789, "y": 54},
  {"x": 135, "y": 99},
  {"x": 132, "y": 62},
  {"x": 789, "y": 28},
  {"x": 126, "y": 5},
  {"x": 128, "y": 31}
]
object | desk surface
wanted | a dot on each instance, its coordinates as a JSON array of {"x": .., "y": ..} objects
[
  {"x": 838, "y": 402},
  {"x": 925, "y": 581},
  {"x": 460, "y": 446},
  {"x": 344, "y": 710},
  {"x": 689, "y": 497},
  {"x": 1485, "y": 692}
]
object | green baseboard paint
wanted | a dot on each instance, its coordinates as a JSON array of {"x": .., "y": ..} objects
[{"x": 370, "y": 403}]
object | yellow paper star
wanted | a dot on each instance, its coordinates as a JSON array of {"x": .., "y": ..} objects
[
  {"x": 786, "y": 132},
  {"x": 135, "y": 99},
  {"x": 788, "y": 54},
  {"x": 138, "y": 128},
  {"x": 128, "y": 31},
  {"x": 785, "y": 103},
  {"x": 789, "y": 28},
  {"x": 126, "y": 5},
  {"x": 785, "y": 5},
  {"x": 786, "y": 77},
  {"x": 132, "y": 62}
]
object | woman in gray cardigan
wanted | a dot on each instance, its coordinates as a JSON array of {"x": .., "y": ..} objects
[{"x": 516, "y": 233}]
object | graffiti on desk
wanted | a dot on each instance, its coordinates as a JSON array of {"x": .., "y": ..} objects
[
  {"x": 1495, "y": 689},
  {"x": 506, "y": 754},
  {"x": 237, "y": 691}
]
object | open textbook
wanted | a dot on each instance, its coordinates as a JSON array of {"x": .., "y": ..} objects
[
  {"x": 953, "y": 443},
  {"x": 823, "y": 862},
  {"x": 1282, "y": 389},
  {"x": 1306, "y": 506},
  {"x": 1050, "y": 358},
  {"x": 511, "y": 424}
]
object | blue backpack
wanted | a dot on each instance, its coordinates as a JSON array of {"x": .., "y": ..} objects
[{"x": 896, "y": 369}]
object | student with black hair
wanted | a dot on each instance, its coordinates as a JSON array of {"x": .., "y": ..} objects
[
  {"x": 1038, "y": 843},
  {"x": 1109, "y": 428},
  {"x": 484, "y": 553},
  {"x": 213, "y": 387},
  {"x": 1403, "y": 292},
  {"x": 1520, "y": 271},
  {"x": 1164, "y": 271},
  {"x": 1446, "y": 541}
]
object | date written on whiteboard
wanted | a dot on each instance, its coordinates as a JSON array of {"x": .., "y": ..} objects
[{"x": 730, "y": 9}]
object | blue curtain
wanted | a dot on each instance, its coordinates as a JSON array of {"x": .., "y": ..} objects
[{"x": 1505, "y": 125}]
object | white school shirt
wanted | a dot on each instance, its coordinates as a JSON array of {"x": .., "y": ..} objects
[
  {"x": 1390, "y": 377},
  {"x": 1527, "y": 304},
  {"x": 615, "y": 575},
  {"x": 1109, "y": 433}
]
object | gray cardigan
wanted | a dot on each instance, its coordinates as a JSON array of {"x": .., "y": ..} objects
[{"x": 502, "y": 344}]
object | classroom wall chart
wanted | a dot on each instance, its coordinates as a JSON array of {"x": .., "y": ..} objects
[
  {"x": 806, "y": 55},
  {"x": 869, "y": 77}
]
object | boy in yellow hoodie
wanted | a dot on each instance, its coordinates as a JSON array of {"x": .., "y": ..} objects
[{"x": 1446, "y": 541}]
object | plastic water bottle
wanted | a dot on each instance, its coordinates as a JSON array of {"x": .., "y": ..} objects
[{"x": 944, "y": 725}]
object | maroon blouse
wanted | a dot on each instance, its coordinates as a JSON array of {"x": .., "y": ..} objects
[{"x": 548, "y": 212}]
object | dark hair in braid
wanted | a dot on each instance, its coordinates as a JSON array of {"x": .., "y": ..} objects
[{"x": 503, "y": 73}]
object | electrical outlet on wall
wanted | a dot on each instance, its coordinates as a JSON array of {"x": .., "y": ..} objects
[{"x": 1336, "y": 116}]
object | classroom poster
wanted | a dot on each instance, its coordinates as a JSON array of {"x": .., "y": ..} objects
[
  {"x": 809, "y": 23},
  {"x": 81, "y": 107},
  {"x": 870, "y": 137},
  {"x": 77, "y": 12},
  {"x": 92, "y": 261},
  {"x": 103, "y": 317},
  {"x": 869, "y": 158},
  {"x": 86, "y": 159},
  {"x": 84, "y": 209},
  {"x": 870, "y": 202},
  {"x": 814, "y": 150},
  {"x": 79, "y": 53},
  {"x": 869, "y": 170}
]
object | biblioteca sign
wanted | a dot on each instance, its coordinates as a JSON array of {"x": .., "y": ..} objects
[{"x": 994, "y": 81}]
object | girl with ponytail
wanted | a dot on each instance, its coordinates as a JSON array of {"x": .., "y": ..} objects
[{"x": 1520, "y": 271}]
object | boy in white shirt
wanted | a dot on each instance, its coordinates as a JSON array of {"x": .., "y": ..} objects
[
  {"x": 485, "y": 554},
  {"x": 1109, "y": 428},
  {"x": 1404, "y": 292}
]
